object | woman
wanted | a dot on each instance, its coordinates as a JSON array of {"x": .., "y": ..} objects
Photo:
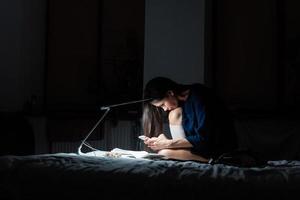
[{"x": 201, "y": 127}]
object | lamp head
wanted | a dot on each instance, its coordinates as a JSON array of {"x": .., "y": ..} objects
[{"x": 105, "y": 108}]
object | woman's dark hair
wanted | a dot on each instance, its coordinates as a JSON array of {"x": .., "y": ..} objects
[{"x": 156, "y": 89}]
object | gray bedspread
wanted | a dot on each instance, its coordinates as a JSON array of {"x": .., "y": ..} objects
[{"x": 70, "y": 176}]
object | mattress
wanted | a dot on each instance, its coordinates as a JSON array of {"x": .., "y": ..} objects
[{"x": 72, "y": 176}]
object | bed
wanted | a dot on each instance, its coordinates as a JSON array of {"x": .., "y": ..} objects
[{"x": 72, "y": 176}]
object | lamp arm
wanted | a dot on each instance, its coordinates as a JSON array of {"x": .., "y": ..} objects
[
  {"x": 107, "y": 109},
  {"x": 126, "y": 103},
  {"x": 91, "y": 131}
]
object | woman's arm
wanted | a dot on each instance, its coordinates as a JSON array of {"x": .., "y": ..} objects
[
  {"x": 180, "y": 143},
  {"x": 161, "y": 142}
]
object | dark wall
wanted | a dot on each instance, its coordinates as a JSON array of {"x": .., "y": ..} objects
[
  {"x": 175, "y": 40},
  {"x": 56, "y": 61},
  {"x": 72, "y": 54},
  {"x": 290, "y": 50},
  {"x": 22, "y": 67},
  {"x": 95, "y": 53},
  {"x": 22, "y": 54},
  {"x": 255, "y": 53},
  {"x": 121, "y": 50},
  {"x": 95, "y": 58}
]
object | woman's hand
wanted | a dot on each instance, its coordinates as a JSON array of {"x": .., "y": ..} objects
[
  {"x": 150, "y": 141},
  {"x": 158, "y": 143}
]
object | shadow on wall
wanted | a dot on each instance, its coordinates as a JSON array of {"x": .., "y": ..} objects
[{"x": 17, "y": 136}]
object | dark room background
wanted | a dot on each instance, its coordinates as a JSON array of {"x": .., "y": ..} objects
[
  {"x": 61, "y": 60},
  {"x": 255, "y": 55}
]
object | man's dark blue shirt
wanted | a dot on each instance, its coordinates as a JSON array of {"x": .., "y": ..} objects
[{"x": 207, "y": 123}]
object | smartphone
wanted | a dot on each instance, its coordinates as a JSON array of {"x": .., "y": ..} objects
[{"x": 142, "y": 137}]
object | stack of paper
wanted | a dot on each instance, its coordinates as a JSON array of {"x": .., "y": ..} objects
[
  {"x": 117, "y": 152},
  {"x": 129, "y": 153}
]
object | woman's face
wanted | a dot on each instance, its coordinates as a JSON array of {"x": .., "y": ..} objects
[{"x": 170, "y": 102}]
